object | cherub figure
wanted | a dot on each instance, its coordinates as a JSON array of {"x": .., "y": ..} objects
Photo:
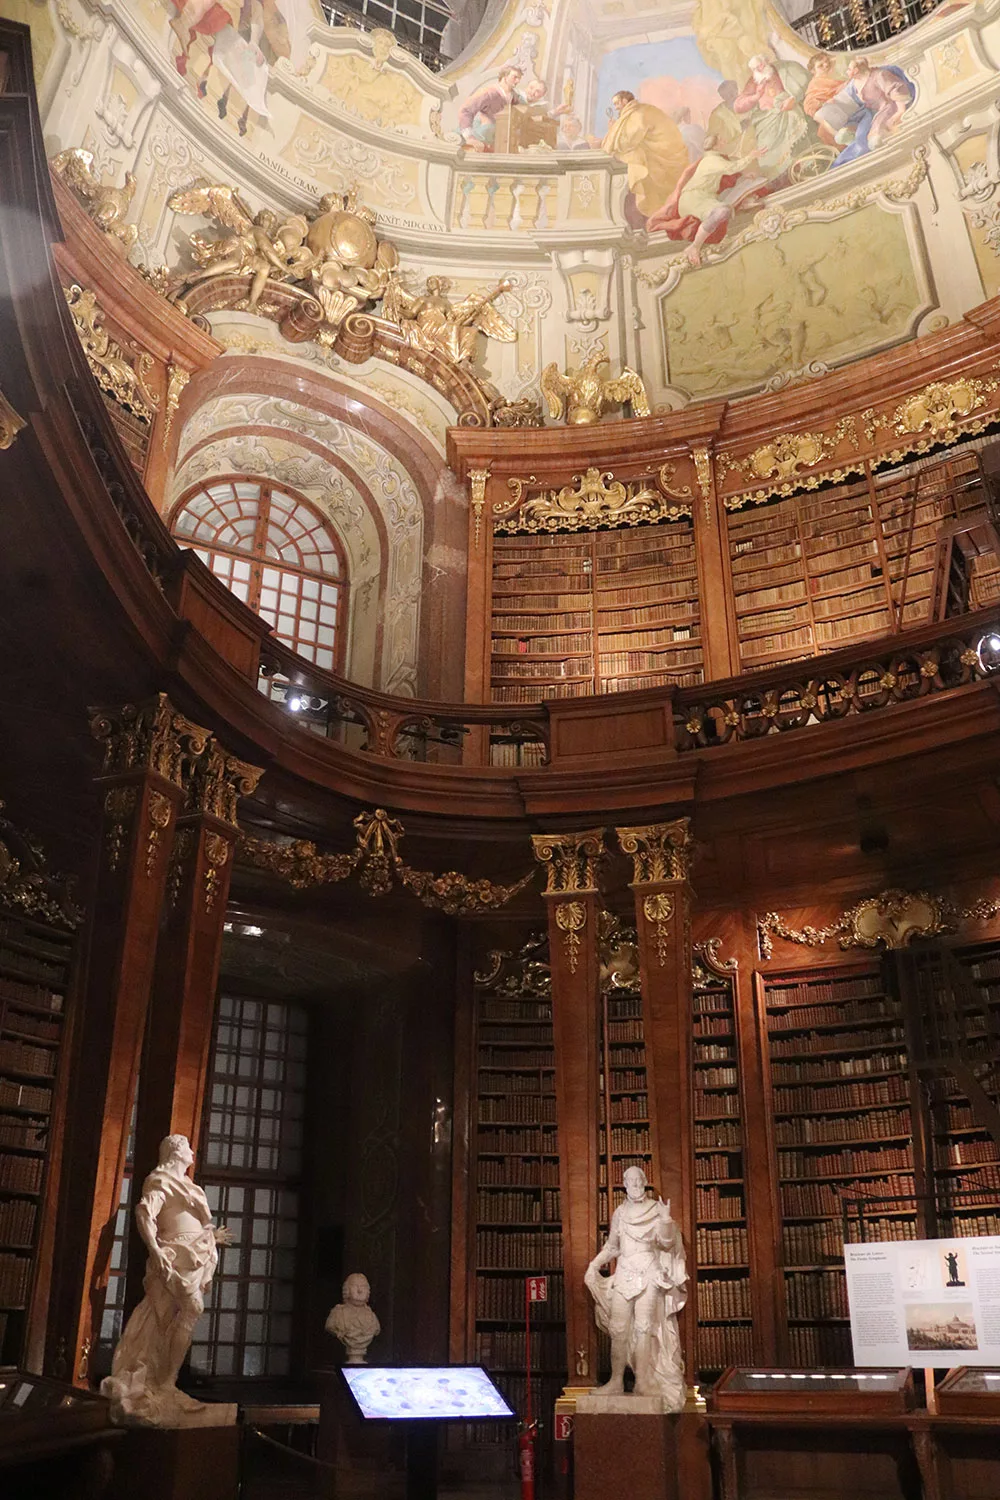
[
  {"x": 251, "y": 248},
  {"x": 434, "y": 323}
]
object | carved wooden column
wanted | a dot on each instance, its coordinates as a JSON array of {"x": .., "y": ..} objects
[
  {"x": 182, "y": 1004},
  {"x": 149, "y": 751},
  {"x": 572, "y": 900},
  {"x": 720, "y": 642},
  {"x": 660, "y": 855}
]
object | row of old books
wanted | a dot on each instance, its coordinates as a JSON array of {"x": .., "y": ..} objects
[
  {"x": 882, "y": 1124},
  {"x": 24, "y": 1096},
  {"x": 23, "y": 966},
  {"x": 504, "y": 1057},
  {"x": 623, "y": 1079},
  {"x": 964, "y": 1225},
  {"x": 634, "y": 1139},
  {"x": 37, "y": 996},
  {"x": 713, "y": 1052},
  {"x": 719, "y": 1133},
  {"x": 637, "y": 1158},
  {"x": 518, "y": 1142},
  {"x": 813, "y": 1346},
  {"x": 835, "y": 993},
  {"x": 17, "y": 1222},
  {"x": 720, "y": 1168},
  {"x": 958, "y": 1153},
  {"x": 725, "y": 1297},
  {"x": 15, "y": 1131},
  {"x": 507, "y": 752},
  {"x": 513, "y": 1207},
  {"x": 518, "y": 1171},
  {"x": 711, "y": 1078},
  {"x": 519, "y": 1249},
  {"x": 721, "y": 1247},
  {"x": 820, "y": 1199},
  {"x": 516, "y": 1010},
  {"x": 15, "y": 1280},
  {"x": 528, "y": 624},
  {"x": 21, "y": 1174},
  {"x": 493, "y": 1080},
  {"x": 504, "y": 1348},
  {"x": 501, "y": 1298},
  {"x": 820, "y": 1042},
  {"x": 516, "y": 1109},
  {"x": 634, "y": 1108},
  {"x": 816, "y": 1294},
  {"x": 706, "y": 1106},
  {"x": 839, "y": 1067},
  {"x": 722, "y": 1346},
  {"x": 819, "y": 1097},
  {"x": 711, "y": 1204},
  {"x": 521, "y": 1031},
  {"x": 842, "y": 1163},
  {"x": 21, "y": 1057}
]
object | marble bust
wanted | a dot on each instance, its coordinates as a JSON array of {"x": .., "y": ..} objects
[
  {"x": 175, "y": 1222},
  {"x": 352, "y": 1320},
  {"x": 638, "y": 1304}
]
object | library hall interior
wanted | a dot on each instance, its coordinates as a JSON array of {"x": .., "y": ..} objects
[{"x": 500, "y": 752}]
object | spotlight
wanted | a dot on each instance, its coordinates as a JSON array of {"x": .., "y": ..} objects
[
  {"x": 296, "y": 705},
  {"x": 988, "y": 651}
]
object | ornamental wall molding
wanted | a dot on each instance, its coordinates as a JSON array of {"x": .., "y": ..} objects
[
  {"x": 379, "y": 866},
  {"x": 594, "y": 500},
  {"x": 781, "y": 459},
  {"x": 891, "y": 919}
]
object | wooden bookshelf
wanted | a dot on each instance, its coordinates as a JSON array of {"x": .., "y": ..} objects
[
  {"x": 724, "y": 1307},
  {"x": 517, "y": 1223},
  {"x": 852, "y": 562},
  {"x": 837, "y": 1080},
  {"x": 34, "y": 966},
  {"x": 965, "y": 1159},
  {"x": 594, "y": 612}
]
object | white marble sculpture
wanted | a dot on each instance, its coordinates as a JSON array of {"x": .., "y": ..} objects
[
  {"x": 175, "y": 1222},
  {"x": 352, "y": 1321},
  {"x": 639, "y": 1303}
]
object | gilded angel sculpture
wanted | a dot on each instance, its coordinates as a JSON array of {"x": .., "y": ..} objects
[
  {"x": 436, "y": 324},
  {"x": 250, "y": 248},
  {"x": 584, "y": 394},
  {"x": 106, "y": 205}
]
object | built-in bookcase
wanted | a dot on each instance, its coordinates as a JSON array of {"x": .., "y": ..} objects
[
  {"x": 594, "y": 612},
  {"x": 841, "y": 1133},
  {"x": 819, "y": 571},
  {"x": 34, "y": 972},
  {"x": 724, "y": 1308},
  {"x": 518, "y": 1226}
]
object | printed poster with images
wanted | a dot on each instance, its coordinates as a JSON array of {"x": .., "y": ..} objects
[{"x": 925, "y": 1302}]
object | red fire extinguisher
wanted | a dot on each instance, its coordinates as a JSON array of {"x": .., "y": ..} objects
[{"x": 526, "y": 1459}]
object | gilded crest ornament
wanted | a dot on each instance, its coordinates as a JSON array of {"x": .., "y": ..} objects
[
  {"x": 571, "y": 919},
  {"x": 117, "y": 373},
  {"x": 892, "y": 918},
  {"x": 583, "y": 395},
  {"x": 598, "y": 499},
  {"x": 781, "y": 459}
]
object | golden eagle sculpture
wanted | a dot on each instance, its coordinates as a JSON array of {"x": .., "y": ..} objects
[
  {"x": 583, "y": 395},
  {"x": 106, "y": 205}
]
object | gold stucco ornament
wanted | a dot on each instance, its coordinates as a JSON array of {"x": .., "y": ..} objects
[
  {"x": 105, "y": 204},
  {"x": 584, "y": 394},
  {"x": 436, "y": 324}
]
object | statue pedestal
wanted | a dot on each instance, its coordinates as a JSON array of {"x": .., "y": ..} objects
[
  {"x": 367, "y": 1459},
  {"x": 177, "y": 1463},
  {"x": 640, "y": 1455}
]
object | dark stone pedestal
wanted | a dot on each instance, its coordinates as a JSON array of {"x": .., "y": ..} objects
[
  {"x": 641, "y": 1457},
  {"x": 367, "y": 1459},
  {"x": 177, "y": 1463}
]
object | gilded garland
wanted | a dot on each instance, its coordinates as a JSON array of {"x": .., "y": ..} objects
[
  {"x": 892, "y": 918},
  {"x": 379, "y": 866}
]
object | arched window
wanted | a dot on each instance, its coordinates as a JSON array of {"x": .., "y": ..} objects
[{"x": 277, "y": 554}]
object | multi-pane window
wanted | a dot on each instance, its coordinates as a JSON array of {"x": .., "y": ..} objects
[
  {"x": 250, "y": 1167},
  {"x": 275, "y": 553},
  {"x": 417, "y": 24}
]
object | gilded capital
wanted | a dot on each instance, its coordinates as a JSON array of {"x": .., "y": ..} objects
[
  {"x": 660, "y": 851},
  {"x": 570, "y": 859},
  {"x": 150, "y": 736},
  {"x": 478, "y": 479},
  {"x": 219, "y": 781}
]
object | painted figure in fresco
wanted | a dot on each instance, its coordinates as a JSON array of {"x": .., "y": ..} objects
[
  {"x": 245, "y": 38},
  {"x": 820, "y": 98},
  {"x": 708, "y": 194},
  {"x": 883, "y": 95},
  {"x": 727, "y": 127},
  {"x": 650, "y": 144},
  {"x": 477, "y": 117},
  {"x": 770, "y": 101}
]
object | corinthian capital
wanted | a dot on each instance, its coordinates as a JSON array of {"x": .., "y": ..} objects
[
  {"x": 660, "y": 852},
  {"x": 570, "y": 859},
  {"x": 219, "y": 781},
  {"x": 150, "y": 736}
]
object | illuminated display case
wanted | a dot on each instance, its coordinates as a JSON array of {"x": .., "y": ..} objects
[
  {"x": 968, "y": 1392},
  {"x": 794, "y": 1391}
]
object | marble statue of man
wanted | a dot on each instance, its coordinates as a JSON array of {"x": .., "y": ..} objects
[
  {"x": 639, "y": 1303},
  {"x": 352, "y": 1321},
  {"x": 175, "y": 1222}
]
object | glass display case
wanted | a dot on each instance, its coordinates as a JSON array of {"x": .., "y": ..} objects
[
  {"x": 798, "y": 1391},
  {"x": 969, "y": 1392}
]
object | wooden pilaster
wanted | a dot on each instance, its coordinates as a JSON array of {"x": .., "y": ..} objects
[
  {"x": 182, "y": 1004},
  {"x": 149, "y": 751},
  {"x": 572, "y": 901},
  {"x": 660, "y": 854}
]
